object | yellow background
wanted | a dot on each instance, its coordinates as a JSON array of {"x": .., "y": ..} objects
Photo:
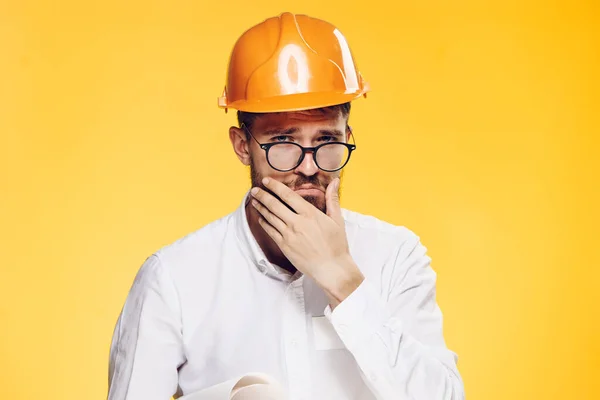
[{"x": 480, "y": 135}]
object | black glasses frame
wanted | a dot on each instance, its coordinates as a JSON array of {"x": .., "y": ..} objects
[{"x": 267, "y": 146}]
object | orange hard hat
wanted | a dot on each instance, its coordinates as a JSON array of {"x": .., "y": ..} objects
[{"x": 288, "y": 63}]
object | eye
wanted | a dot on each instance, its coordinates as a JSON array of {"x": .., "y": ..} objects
[
  {"x": 328, "y": 138},
  {"x": 281, "y": 138}
]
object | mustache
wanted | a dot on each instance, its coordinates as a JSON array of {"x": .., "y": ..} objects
[{"x": 306, "y": 180}]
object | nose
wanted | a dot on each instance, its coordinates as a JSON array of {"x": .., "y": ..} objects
[{"x": 307, "y": 167}]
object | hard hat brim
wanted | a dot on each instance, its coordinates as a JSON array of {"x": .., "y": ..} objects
[{"x": 292, "y": 102}]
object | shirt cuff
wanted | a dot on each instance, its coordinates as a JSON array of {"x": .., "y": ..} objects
[{"x": 359, "y": 316}]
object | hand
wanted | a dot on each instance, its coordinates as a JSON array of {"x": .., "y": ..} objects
[{"x": 314, "y": 242}]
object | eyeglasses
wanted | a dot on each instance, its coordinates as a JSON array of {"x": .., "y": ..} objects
[{"x": 287, "y": 156}]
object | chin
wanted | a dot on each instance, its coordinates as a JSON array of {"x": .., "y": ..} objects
[{"x": 317, "y": 202}]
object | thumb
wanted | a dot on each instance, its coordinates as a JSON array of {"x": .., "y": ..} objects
[{"x": 332, "y": 196}]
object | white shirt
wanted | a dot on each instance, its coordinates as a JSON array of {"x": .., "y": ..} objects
[{"x": 210, "y": 307}]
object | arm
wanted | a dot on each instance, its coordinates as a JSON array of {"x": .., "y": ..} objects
[
  {"x": 396, "y": 336},
  {"x": 147, "y": 346}
]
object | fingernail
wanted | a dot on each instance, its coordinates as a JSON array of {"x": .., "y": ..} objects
[
  {"x": 254, "y": 190},
  {"x": 254, "y": 203},
  {"x": 265, "y": 181}
]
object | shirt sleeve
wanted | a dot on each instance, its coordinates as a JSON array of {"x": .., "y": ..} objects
[
  {"x": 395, "y": 334},
  {"x": 147, "y": 344}
]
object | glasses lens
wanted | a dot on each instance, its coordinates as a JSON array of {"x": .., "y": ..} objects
[
  {"x": 332, "y": 156},
  {"x": 284, "y": 156}
]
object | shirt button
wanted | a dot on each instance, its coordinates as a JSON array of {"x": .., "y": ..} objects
[
  {"x": 373, "y": 377},
  {"x": 294, "y": 343}
]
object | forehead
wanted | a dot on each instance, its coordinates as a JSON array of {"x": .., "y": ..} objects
[{"x": 304, "y": 120}]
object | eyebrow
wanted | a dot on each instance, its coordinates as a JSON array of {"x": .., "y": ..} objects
[
  {"x": 331, "y": 132},
  {"x": 290, "y": 131},
  {"x": 280, "y": 131}
]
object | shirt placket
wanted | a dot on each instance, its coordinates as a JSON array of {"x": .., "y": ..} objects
[{"x": 296, "y": 342}]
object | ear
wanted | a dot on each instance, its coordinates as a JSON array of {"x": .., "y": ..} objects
[{"x": 240, "y": 144}]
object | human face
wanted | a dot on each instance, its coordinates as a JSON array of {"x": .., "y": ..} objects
[{"x": 307, "y": 128}]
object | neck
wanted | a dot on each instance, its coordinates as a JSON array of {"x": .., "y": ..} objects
[{"x": 267, "y": 245}]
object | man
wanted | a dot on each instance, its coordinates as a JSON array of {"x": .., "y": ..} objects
[{"x": 332, "y": 304}]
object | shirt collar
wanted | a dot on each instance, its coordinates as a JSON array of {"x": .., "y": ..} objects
[{"x": 253, "y": 251}]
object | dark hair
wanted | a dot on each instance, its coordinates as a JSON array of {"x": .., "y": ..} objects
[{"x": 247, "y": 118}]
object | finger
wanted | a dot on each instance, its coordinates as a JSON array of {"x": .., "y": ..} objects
[
  {"x": 271, "y": 231},
  {"x": 273, "y": 204},
  {"x": 271, "y": 218},
  {"x": 332, "y": 197},
  {"x": 286, "y": 194}
]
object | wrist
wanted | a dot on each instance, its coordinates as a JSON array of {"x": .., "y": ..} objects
[{"x": 346, "y": 279}]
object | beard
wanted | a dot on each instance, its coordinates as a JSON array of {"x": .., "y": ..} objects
[{"x": 318, "y": 202}]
